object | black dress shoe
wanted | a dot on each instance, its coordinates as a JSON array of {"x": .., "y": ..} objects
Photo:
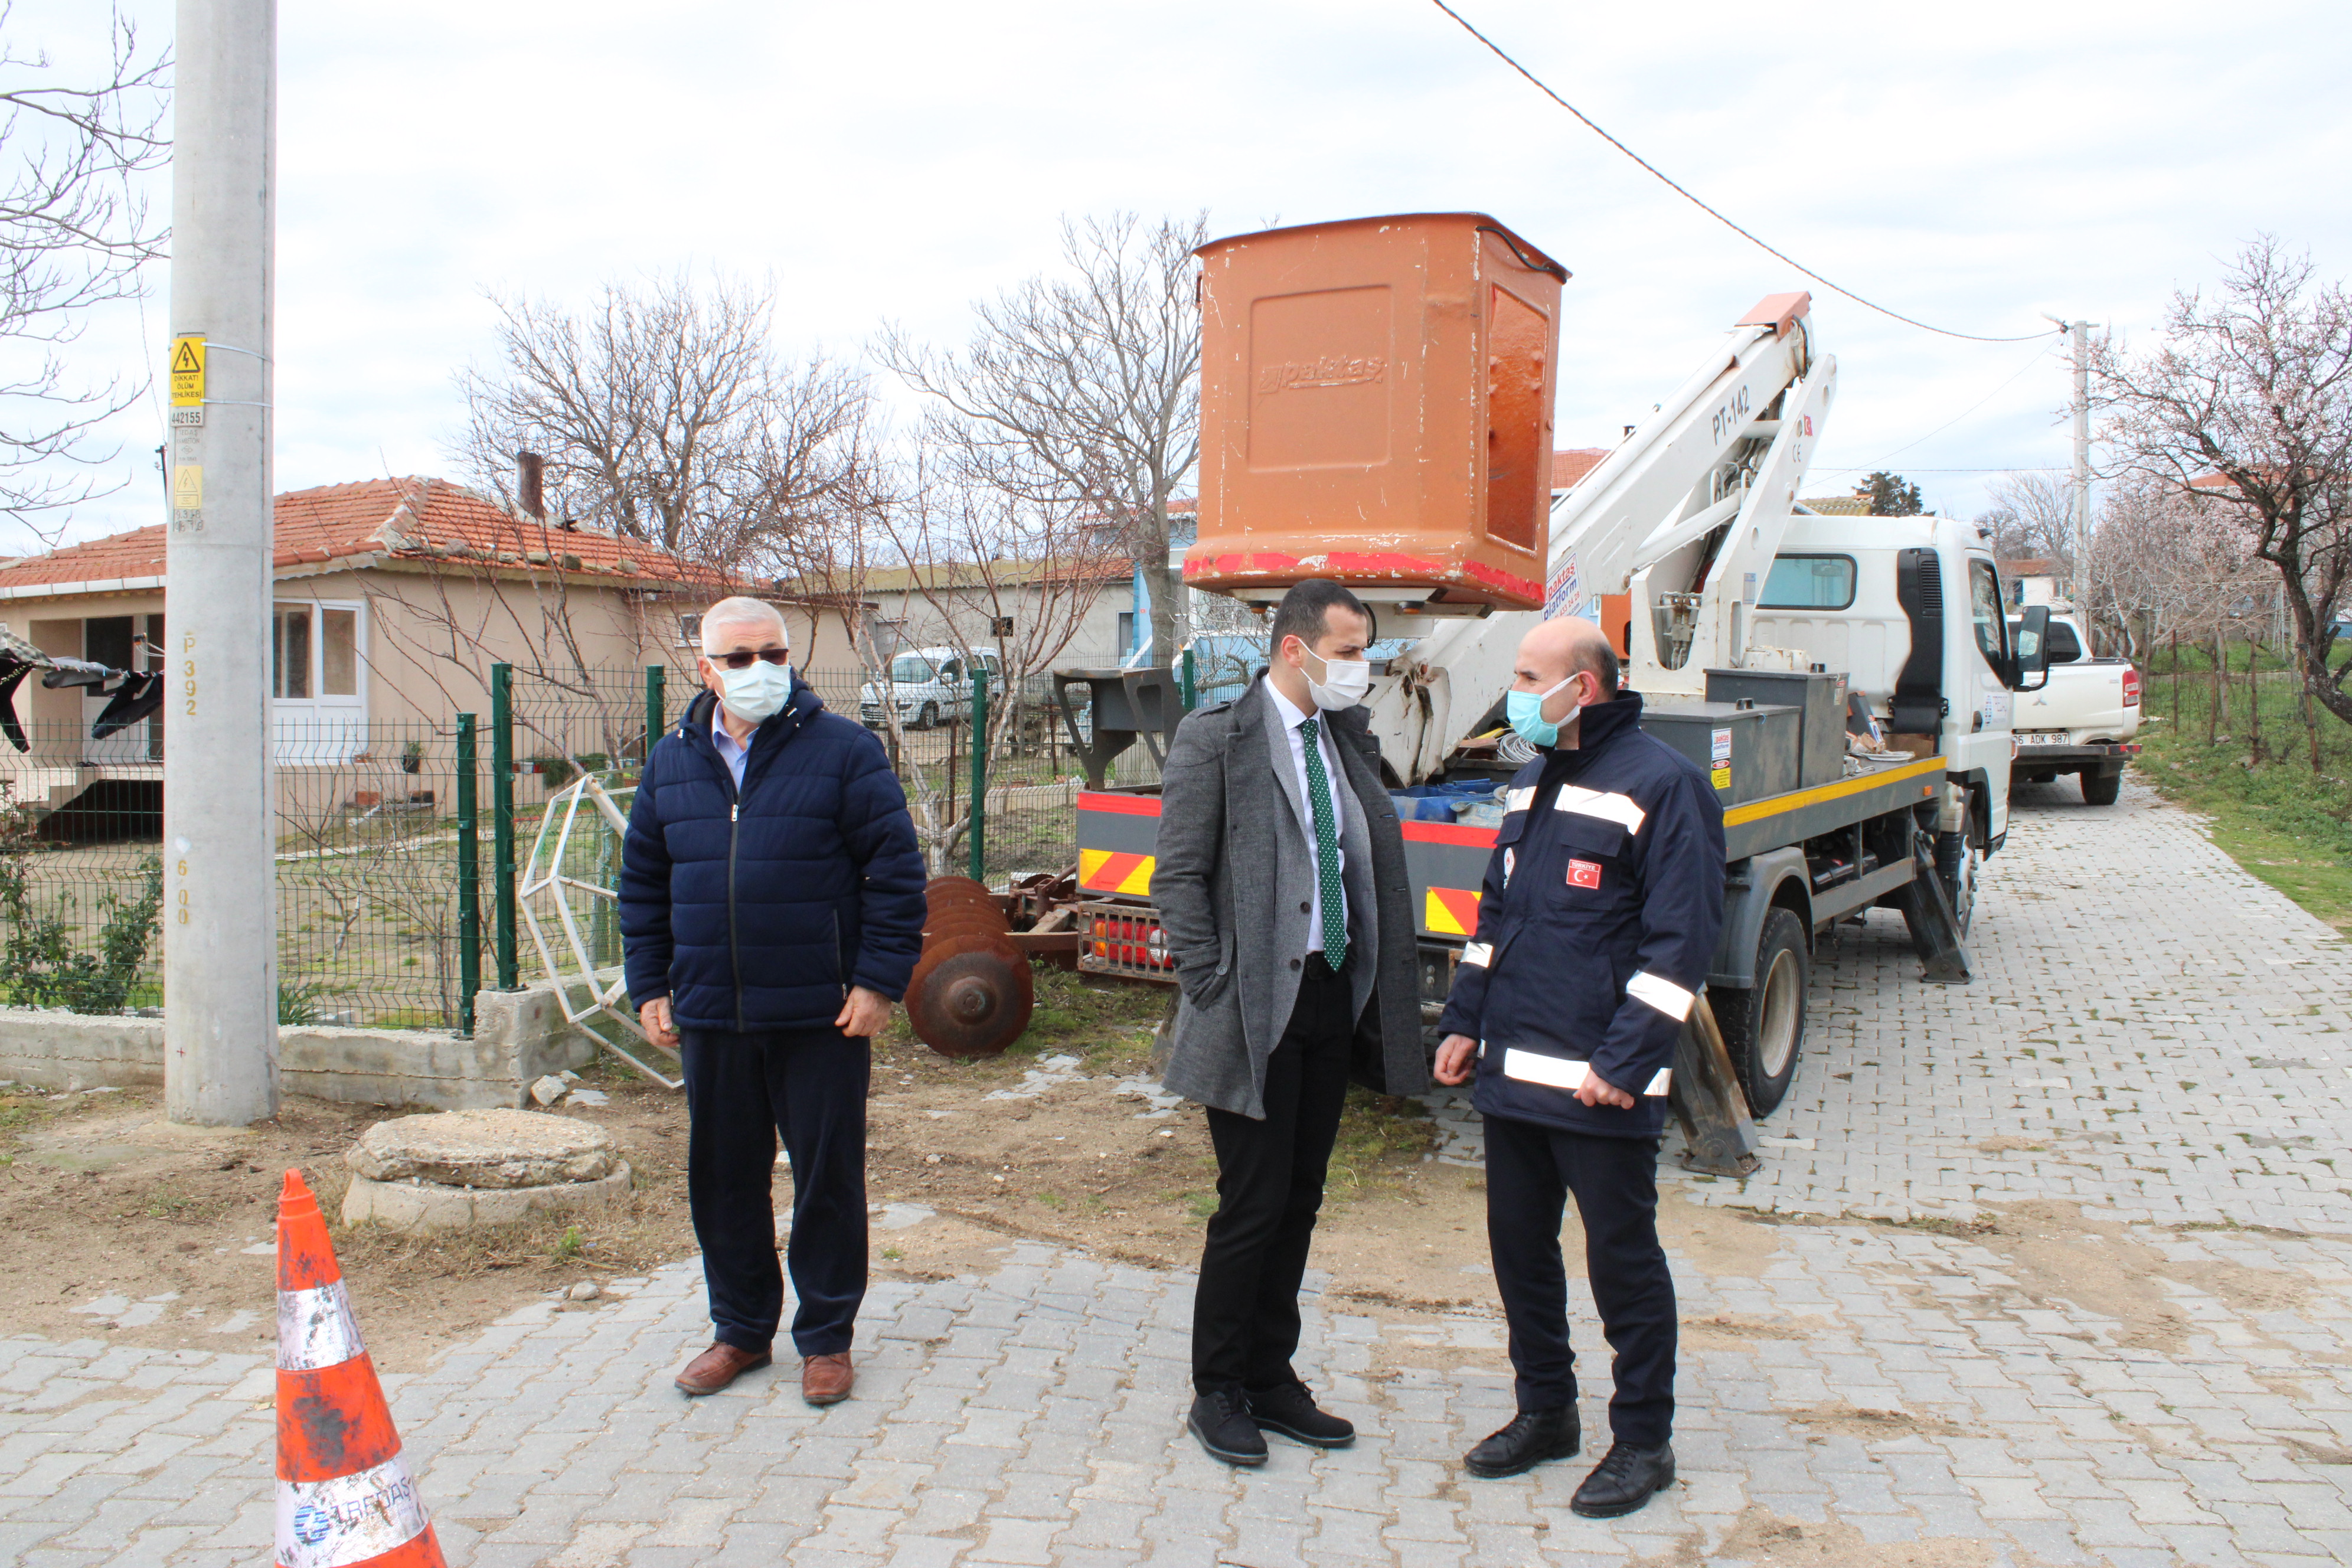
[
  {"x": 1221, "y": 1421},
  {"x": 1624, "y": 1480},
  {"x": 1290, "y": 1410},
  {"x": 1533, "y": 1436}
]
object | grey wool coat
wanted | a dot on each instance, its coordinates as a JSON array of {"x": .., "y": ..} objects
[{"x": 1231, "y": 880}]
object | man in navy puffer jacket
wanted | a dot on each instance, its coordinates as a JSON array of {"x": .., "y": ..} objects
[{"x": 772, "y": 912}]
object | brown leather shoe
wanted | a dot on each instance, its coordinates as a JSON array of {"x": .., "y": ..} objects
[
  {"x": 826, "y": 1379},
  {"x": 720, "y": 1365}
]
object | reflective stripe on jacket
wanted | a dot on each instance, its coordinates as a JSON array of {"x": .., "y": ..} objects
[{"x": 1602, "y": 904}]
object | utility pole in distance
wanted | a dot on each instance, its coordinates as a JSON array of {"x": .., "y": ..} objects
[
  {"x": 2079, "y": 513},
  {"x": 220, "y": 906}
]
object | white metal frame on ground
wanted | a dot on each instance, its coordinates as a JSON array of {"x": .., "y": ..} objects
[{"x": 604, "y": 1017}]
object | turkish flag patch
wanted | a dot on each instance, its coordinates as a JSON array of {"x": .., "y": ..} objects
[{"x": 1584, "y": 873}]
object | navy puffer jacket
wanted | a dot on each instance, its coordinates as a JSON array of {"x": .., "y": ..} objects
[{"x": 760, "y": 913}]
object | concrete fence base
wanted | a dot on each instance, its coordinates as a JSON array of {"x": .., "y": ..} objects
[{"x": 519, "y": 1037}]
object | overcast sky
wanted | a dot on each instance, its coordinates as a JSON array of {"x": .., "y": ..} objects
[{"x": 1972, "y": 166}]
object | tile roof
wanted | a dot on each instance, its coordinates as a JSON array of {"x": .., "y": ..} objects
[
  {"x": 1573, "y": 463},
  {"x": 413, "y": 519},
  {"x": 1838, "y": 506}
]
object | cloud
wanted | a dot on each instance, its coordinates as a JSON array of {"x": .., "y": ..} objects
[{"x": 1971, "y": 166}]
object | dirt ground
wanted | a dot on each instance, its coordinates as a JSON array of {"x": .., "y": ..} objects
[{"x": 160, "y": 1234}]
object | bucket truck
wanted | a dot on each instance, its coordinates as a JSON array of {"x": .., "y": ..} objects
[{"x": 1761, "y": 634}]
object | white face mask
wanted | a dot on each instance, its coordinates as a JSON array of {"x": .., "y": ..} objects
[
  {"x": 1344, "y": 683},
  {"x": 755, "y": 695}
]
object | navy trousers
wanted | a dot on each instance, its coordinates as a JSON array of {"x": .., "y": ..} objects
[
  {"x": 740, "y": 1091},
  {"x": 1269, "y": 1189},
  {"x": 1531, "y": 1171}
]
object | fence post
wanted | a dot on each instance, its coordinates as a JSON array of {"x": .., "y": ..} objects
[
  {"x": 469, "y": 882},
  {"x": 1191, "y": 679},
  {"x": 656, "y": 713},
  {"x": 503, "y": 823},
  {"x": 975, "y": 836}
]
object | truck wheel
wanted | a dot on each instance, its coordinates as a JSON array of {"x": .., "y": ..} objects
[
  {"x": 930, "y": 718},
  {"x": 2100, "y": 788},
  {"x": 1958, "y": 862},
  {"x": 1764, "y": 1025}
]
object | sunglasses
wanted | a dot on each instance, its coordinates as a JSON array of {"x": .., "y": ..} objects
[{"x": 741, "y": 657}]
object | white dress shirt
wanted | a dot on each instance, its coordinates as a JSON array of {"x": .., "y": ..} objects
[{"x": 1292, "y": 717}]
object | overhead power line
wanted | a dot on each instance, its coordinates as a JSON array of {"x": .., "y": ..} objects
[{"x": 1672, "y": 184}]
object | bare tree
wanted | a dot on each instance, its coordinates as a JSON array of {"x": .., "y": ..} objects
[
  {"x": 1082, "y": 389},
  {"x": 665, "y": 414},
  {"x": 74, "y": 233},
  {"x": 2031, "y": 518},
  {"x": 998, "y": 574},
  {"x": 2245, "y": 408}
]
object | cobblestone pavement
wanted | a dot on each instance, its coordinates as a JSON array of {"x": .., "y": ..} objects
[{"x": 2055, "y": 1268}]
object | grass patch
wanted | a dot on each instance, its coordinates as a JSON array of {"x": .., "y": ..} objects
[
  {"x": 1109, "y": 1023},
  {"x": 2288, "y": 825},
  {"x": 1380, "y": 1137}
]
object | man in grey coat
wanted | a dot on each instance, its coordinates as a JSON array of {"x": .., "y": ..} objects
[{"x": 1282, "y": 889}]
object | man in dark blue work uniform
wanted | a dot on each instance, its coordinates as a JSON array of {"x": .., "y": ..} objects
[
  {"x": 771, "y": 911},
  {"x": 1599, "y": 920}
]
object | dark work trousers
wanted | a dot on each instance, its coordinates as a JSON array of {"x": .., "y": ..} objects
[
  {"x": 741, "y": 1091},
  {"x": 1531, "y": 1171},
  {"x": 1269, "y": 1187}
]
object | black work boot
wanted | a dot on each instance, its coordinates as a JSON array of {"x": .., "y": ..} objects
[
  {"x": 1291, "y": 1411},
  {"x": 1624, "y": 1480},
  {"x": 1533, "y": 1436},
  {"x": 1221, "y": 1421}
]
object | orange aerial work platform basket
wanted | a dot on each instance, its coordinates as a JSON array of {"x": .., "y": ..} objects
[{"x": 1376, "y": 402}]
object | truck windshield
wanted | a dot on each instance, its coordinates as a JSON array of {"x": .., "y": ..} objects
[
  {"x": 910, "y": 668},
  {"x": 1985, "y": 612}
]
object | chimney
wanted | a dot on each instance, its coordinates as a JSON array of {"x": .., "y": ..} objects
[{"x": 528, "y": 468}]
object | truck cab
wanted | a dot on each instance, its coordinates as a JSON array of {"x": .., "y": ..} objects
[{"x": 1911, "y": 608}]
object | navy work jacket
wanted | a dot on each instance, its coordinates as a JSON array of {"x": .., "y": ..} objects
[
  {"x": 759, "y": 910},
  {"x": 1596, "y": 928}
]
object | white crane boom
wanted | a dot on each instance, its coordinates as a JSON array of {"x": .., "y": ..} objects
[{"x": 1684, "y": 518}]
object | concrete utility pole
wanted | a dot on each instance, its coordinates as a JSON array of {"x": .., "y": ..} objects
[
  {"x": 2079, "y": 514},
  {"x": 220, "y": 907}
]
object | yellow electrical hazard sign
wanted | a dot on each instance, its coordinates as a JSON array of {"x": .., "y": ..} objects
[
  {"x": 187, "y": 372},
  {"x": 187, "y": 486}
]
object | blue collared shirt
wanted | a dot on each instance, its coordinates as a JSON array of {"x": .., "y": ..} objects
[{"x": 730, "y": 752}]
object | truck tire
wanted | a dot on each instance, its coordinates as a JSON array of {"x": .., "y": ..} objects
[
  {"x": 1958, "y": 862},
  {"x": 930, "y": 717},
  {"x": 2100, "y": 787},
  {"x": 1764, "y": 1025}
]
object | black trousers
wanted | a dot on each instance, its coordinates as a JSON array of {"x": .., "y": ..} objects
[
  {"x": 741, "y": 1091},
  {"x": 1531, "y": 1171},
  {"x": 1269, "y": 1189}
]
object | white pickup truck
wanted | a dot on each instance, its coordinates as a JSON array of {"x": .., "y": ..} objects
[{"x": 2080, "y": 721}]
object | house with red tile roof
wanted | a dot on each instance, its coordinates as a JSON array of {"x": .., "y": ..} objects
[{"x": 393, "y": 599}]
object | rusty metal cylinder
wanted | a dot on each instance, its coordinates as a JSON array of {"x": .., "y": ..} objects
[{"x": 972, "y": 993}]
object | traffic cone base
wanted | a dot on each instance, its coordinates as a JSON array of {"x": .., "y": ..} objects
[{"x": 345, "y": 1499}]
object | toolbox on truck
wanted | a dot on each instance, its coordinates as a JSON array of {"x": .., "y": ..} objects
[
  {"x": 1747, "y": 751},
  {"x": 1819, "y": 697}
]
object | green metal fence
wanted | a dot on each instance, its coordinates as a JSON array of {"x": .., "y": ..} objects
[{"x": 388, "y": 916}]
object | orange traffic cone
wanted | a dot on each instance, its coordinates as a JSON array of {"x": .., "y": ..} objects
[{"x": 344, "y": 1498}]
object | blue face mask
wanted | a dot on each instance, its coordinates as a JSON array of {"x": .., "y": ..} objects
[
  {"x": 754, "y": 695},
  {"x": 1525, "y": 710}
]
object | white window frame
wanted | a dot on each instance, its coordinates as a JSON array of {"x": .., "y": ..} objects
[{"x": 319, "y": 729}]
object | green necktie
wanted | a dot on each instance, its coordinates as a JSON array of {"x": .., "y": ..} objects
[{"x": 1326, "y": 851}]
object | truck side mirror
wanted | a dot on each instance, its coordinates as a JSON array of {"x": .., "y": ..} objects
[{"x": 2031, "y": 661}]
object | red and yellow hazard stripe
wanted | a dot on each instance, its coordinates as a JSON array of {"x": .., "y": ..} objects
[
  {"x": 1450, "y": 911},
  {"x": 1115, "y": 872}
]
